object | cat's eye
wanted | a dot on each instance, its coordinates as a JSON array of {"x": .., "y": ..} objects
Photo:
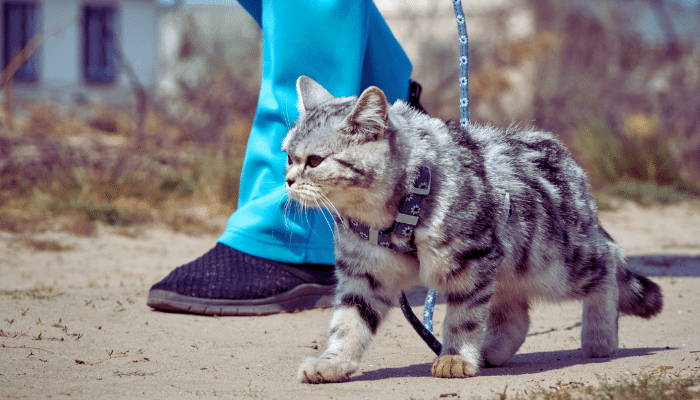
[
  {"x": 313, "y": 161},
  {"x": 289, "y": 159}
]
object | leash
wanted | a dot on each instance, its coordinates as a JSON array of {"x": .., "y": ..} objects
[{"x": 425, "y": 330}]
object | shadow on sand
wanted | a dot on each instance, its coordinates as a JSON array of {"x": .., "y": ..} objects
[{"x": 520, "y": 364}]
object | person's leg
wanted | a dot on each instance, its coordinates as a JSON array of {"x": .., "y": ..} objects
[
  {"x": 328, "y": 41},
  {"x": 271, "y": 257}
]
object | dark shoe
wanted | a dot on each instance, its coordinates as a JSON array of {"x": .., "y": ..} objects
[{"x": 225, "y": 281}]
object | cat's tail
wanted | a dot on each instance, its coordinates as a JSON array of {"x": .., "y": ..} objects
[{"x": 638, "y": 295}]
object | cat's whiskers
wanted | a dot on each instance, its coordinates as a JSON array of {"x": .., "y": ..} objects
[
  {"x": 312, "y": 195},
  {"x": 287, "y": 121},
  {"x": 287, "y": 204},
  {"x": 326, "y": 204},
  {"x": 300, "y": 206},
  {"x": 281, "y": 191},
  {"x": 305, "y": 212},
  {"x": 286, "y": 208}
]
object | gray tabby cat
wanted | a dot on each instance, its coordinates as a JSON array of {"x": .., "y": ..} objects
[{"x": 508, "y": 219}]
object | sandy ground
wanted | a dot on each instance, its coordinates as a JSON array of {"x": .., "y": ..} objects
[{"x": 86, "y": 332}]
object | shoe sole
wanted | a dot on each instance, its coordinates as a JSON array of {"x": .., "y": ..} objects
[{"x": 303, "y": 297}]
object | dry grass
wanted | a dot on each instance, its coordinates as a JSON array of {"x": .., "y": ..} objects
[
  {"x": 38, "y": 293},
  {"x": 72, "y": 169},
  {"x": 637, "y": 165},
  {"x": 659, "y": 386}
]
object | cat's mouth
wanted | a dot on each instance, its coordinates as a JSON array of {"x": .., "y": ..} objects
[{"x": 305, "y": 198}]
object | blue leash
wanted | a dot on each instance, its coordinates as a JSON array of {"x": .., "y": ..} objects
[
  {"x": 463, "y": 64},
  {"x": 426, "y": 329}
]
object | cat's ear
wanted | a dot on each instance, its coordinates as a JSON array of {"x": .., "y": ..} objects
[
  {"x": 311, "y": 94},
  {"x": 370, "y": 116}
]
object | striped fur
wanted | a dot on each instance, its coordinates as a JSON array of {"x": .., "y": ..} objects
[{"x": 357, "y": 157}]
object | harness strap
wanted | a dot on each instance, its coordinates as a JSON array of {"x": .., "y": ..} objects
[{"x": 406, "y": 220}]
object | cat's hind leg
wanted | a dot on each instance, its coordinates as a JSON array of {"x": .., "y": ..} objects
[
  {"x": 507, "y": 328},
  {"x": 600, "y": 307},
  {"x": 599, "y": 324}
]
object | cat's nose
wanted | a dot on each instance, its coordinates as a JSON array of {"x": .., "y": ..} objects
[{"x": 290, "y": 182}]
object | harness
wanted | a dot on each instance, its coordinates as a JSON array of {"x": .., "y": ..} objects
[{"x": 406, "y": 220}]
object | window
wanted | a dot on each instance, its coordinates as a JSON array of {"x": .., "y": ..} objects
[
  {"x": 99, "y": 62},
  {"x": 19, "y": 22}
]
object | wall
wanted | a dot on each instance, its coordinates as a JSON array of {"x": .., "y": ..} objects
[{"x": 60, "y": 57}]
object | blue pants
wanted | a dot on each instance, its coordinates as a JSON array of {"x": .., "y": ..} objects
[{"x": 345, "y": 46}]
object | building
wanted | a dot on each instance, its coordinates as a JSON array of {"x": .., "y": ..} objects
[{"x": 84, "y": 48}]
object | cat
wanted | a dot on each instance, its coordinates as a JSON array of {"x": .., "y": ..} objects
[{"x": 503, "y": 218}]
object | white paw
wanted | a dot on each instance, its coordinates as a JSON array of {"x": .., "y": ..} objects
[
  {"x": 323, "y": 370},
  {"x": 450, "y": 366}
]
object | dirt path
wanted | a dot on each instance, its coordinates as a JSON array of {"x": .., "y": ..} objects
[{"x": 75, "y": 323}]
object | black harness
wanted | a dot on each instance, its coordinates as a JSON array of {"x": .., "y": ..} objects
[{"x": 406, "y": 220}]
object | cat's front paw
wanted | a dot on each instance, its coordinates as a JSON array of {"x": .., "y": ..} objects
[
  {"x": 453, "y": 366},
  {"x": 323, "y": 370}
]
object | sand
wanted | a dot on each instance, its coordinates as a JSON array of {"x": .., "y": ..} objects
[{"x": 74, "y": 323}]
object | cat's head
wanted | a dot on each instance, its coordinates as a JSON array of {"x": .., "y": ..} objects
[{"x": 337, "y": 149}]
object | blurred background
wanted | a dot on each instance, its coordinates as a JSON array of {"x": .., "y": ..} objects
[{"x": 137, "y": 111}]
